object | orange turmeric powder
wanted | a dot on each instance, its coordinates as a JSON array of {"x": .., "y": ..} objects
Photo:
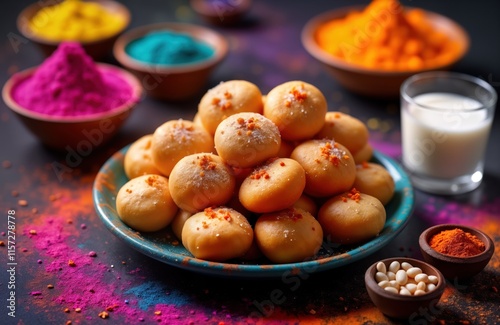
[{"x": 386, "y": 36}]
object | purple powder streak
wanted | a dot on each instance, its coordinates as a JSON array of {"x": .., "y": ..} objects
[{"x": 439, "y": 210}]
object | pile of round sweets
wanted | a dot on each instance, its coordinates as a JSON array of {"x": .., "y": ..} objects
[
  {"x": 404, "y": 279},
  {"x": 256, "y": 175}
]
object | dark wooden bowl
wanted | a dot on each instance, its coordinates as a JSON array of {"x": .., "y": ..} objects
[
  {"x": 400, "y": 306},
  {"x": 98, "y": 49},
  {"x": 221, "y": 12},
  {"x": 375, "y": 82},
  {"x": 177, "y": 82},
  {"x": 456, "y": 267},
  {"x": 73, "y": 132}
]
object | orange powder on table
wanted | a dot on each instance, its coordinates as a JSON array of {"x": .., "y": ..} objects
[{"x": 386, "y": 36}]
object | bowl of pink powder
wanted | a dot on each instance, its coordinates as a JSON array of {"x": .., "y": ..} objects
[{"x": 71, "y": 102}]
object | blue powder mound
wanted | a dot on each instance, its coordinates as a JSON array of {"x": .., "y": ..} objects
[
  {"x": 151, "y": 293},
  {"x": 168, "y": 48}
]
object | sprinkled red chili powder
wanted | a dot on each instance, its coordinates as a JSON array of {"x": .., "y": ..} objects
[
  {"x": 206, "y": 162},
  {"x": 152, "y": 180},
  {"x": 298, "y": 95},
  {"x": 209, "y": 212},
  {"x": 181, "y": 131},
  {"x": 249, "y": 125},
  {"x": 260, "y": 173},
  {"x": 332, "y": 153},
  {"x": 353, "y": 194},
  {"x": 225, "y": 103},
  {"x": 294, "y": 215}
]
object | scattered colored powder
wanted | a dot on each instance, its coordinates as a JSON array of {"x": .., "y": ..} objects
[
  {"x": 74, "y": 20},
  {"x": 384, "y": 35},
  {"x": 150, "y": 294},
  {"x": 69, "y": 83},
  {"x": 83, "y": 286},
  {"x": 457, "y": 242},
  {"x": 168, "y": 48}
]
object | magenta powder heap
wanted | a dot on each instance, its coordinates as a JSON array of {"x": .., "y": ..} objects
[{"x": 69, "y": 83}]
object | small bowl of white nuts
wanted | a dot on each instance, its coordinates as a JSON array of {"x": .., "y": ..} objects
[{"x": 404, "y": 287}]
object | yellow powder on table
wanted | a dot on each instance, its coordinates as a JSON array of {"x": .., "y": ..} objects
[
  {"x": 74, "y": 20},
  {"x": 385, "y": 36}
]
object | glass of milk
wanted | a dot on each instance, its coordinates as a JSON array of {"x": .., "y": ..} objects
[{"x": 445, "y": 122}]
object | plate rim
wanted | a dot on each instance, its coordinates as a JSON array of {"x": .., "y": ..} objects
[{"x": 124, "y": 233}]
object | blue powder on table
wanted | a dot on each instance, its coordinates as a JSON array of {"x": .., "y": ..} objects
[
  {"x": 168, "y": 48},
  {"x": 151, "y": 293}
]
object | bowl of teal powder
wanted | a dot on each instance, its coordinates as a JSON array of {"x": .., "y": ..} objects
[{"x": 173, "y": 61}]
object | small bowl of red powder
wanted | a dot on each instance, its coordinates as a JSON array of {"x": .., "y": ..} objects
[
  {"x": 458, "y": 251},
  {"x": 70, "y": 102}
]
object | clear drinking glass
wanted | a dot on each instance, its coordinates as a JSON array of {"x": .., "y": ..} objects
[{"x": 446, "y": 119}]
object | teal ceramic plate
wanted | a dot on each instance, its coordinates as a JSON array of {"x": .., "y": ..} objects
[{"x": 164, "y": 247}]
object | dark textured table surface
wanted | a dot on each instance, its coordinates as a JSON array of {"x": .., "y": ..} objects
[{"x": 266, "y": 50}]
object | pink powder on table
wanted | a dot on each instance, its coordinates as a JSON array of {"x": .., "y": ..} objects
[{"x": 69, "y": 83}]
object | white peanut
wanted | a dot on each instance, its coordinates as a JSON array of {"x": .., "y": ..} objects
[
  {"x": 413, "y": 271},
  {"x": 394, "y": 266},
  {"x": 404, "y": 279},
  {"x": 381, "y": 267},
  {"x": 422, "y": 277},
  {"x": 401, "y": 277}
]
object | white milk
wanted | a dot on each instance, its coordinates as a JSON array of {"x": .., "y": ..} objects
[{"x": 445, "y": 142}]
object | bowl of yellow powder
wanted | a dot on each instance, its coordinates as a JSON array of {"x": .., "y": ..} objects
[
  {"x": 94, "y": 24},
  {"x": 371, "y": 50}
]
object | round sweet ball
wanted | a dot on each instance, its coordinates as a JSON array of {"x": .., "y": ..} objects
[
  {"x": 297, "y": 108},
  {"x": 217, "y": 234},
  {"x": 178, "y": 222},
  {"x": 286, "y": 149},
  {"x": 226, "y": 99},
  {"x": 144, "y": 203},
  {"x": 330, "y": 167},
  {"x": 176, "y": 139},
  {"x": 138, "y": 160},
  {"x": 373, "y": 179},
  {"x": 287, "y": 236},
  {"x": 345, "y": 129},
  {"x": 247, "y": 139},
  {"x": 201, "y": 180},
  {"x": 352, "y": 217},
  {"x": 364, "y": 154},
  {"x": 197, "y": 120},
  {"x": 306, "y": 203},
  {"x": 273, "y": 186}
]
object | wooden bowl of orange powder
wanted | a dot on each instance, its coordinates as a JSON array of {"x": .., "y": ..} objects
[
  {"x": 372, "y": 50},
  {"x": 458, "y": 251}
]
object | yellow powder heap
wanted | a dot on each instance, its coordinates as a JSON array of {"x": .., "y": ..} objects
[
  {"x": 385, "y": 36},
  {"x": 74, "y": 20}
]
